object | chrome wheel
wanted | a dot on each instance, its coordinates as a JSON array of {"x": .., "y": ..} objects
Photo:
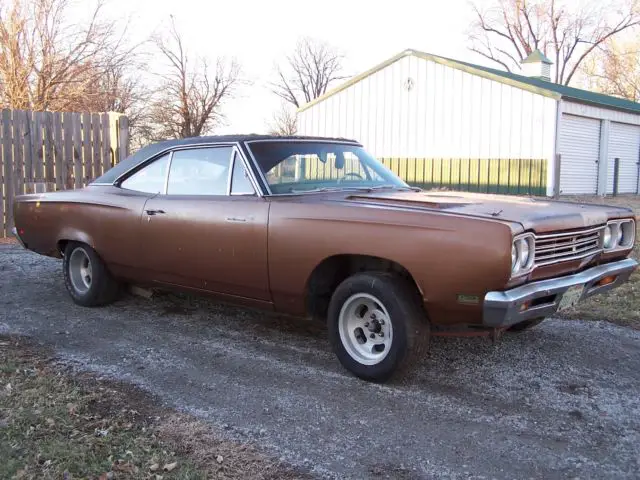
[
  {"x": 80, "y": 271},
  {"x": 365, "y": 328}
]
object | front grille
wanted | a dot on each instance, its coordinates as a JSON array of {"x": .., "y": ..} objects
[{"x": 560, "y": 247}]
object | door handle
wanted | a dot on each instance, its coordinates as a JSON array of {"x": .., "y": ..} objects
[
  {"x": 235, "y": 219},
  {"x": 154, "y": 212}
]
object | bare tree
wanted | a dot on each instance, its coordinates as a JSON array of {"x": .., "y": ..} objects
[
  {"x": 284, "y": 121},
  {"x": 568, "y": 33},
  {"x": 47, "y": 61},
  {"x": 308, "y": 72},
  {"x": 615, "y": 69},
  {"x": 192, "y": 92}
]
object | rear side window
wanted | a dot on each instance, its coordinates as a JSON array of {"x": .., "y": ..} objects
[
  {"x": 150, "y": 179},
  {"x": 199, "y": 171}
]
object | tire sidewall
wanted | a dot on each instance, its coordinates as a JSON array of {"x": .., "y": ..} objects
[
  {"x": 383, "y": 290},
  {"x": 91, "y": 296}
]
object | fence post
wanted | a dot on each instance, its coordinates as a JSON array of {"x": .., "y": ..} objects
[
  {"x": 556, "y": 176},
  {"x": 616, "y": 175}
]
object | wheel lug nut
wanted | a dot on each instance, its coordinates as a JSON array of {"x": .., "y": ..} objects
[
  {"x": 381, "y": 322},
  {"x": 366, "y": 324},
  {"x": 381, "y": 334},
  {"x": 373, "y": 335}
]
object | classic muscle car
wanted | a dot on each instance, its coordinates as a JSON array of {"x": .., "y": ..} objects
[{"x": 318, "y": 227}]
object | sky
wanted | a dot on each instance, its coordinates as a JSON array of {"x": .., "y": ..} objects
[{"x": 258, "y": 34}]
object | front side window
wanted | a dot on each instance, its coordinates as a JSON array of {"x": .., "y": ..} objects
[
  {"x": 149, "y": 179},
  {"x": 240, "y": 183},
  {"x": 293, "y": 167},
  {"x": 199, "y": 171}
]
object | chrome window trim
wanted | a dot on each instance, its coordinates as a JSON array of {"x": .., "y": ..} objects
[
  {"x": 289, "y": 140},
  {"x": 236, "y": 154},
  {"x": 252, "y": 178},
  {"x": 232, "y": 162},
  {"x": 166, "y": 180},
  {"x": 172, "y": 148}
]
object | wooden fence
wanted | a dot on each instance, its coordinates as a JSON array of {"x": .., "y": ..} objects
[{"x": 49, "y": 151}]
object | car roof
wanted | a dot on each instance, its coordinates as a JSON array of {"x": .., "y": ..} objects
[{"x": 149, "y": 151}]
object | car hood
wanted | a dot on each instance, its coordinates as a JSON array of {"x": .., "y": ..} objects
[{"x": 537, "y": 214}]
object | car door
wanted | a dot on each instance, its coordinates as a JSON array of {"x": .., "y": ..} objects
[{"x": 208, "y": 230}]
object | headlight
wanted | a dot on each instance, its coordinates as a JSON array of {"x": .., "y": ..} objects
[
  {"x": 522, "y": 254},
  {"x": 524, "y": 251},
  {"x": 515, "y": 259},
  {"x": 619, "y": 235}
]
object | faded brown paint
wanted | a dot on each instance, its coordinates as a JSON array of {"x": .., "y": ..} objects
[{"x": 261, "y": 251}]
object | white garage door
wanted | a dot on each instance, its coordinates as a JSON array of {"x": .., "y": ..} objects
[
  {"x": 624, "y": 143},
  {"x": 580, "y": 149}
]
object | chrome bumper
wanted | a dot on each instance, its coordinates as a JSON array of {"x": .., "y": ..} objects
[{"x": 503, "y": 309}]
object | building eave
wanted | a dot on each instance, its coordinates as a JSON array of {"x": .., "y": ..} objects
[{"x": 440, "y": 60}]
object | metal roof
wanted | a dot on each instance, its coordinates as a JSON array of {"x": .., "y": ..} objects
[
  {"x": 537, "y": 56},
  {"x": 535, "y": 85}
]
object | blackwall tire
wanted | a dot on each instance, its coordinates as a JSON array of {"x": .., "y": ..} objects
[
  {"x": 86, "y": 277},
  {"x": 377, "y": 327}
]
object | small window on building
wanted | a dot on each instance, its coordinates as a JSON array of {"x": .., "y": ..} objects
[
  {"x": 199, "y": 171},
  {"x": 150, "y": 179},
  {"x": 240, "y": 183}
]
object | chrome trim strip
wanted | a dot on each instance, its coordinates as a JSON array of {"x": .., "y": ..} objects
[
  {"x": 232, "y": 162},
  {"x": 259, "y": 170},
  {"x": 573, "y": 233},
  {"x": 166, "y": 180},
  {"x": 502, "y": 308},
  {"x": 567, "y": 259},
  {"x": 344, "y": 141},
  {"x": 252, "y": 178}
]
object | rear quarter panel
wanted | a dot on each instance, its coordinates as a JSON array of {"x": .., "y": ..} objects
[
  {"x": 106, "y": 218},
  {"x": 446, "y": 255}
]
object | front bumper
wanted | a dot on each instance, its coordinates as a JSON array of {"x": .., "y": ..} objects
[{"x": 543, "y": 298}]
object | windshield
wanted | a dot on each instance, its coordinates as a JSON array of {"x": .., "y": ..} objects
[{"x": 293, "y": 167}]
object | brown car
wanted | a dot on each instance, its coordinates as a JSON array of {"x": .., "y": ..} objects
[{"x": 318, "y": 227}]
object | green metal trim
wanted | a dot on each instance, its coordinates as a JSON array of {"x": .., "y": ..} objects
[{"x": 519, "y": 176}]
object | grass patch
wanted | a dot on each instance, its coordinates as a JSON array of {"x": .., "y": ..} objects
[
  {"x": 621, "y": 305},
  {"x": 55, "y": 424}
]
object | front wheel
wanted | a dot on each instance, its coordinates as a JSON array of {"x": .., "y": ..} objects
[
  {"x": 376, "y": 325},
  {"x": 86, "y": 277}
]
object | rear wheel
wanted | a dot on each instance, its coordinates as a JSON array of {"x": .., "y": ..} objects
[
  {"x": 526, "y": 325},
  {"x": 376, "y": 326},
  {"x": 86, "y": 276}
]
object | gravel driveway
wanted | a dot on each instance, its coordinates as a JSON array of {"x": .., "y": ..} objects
[{"x": 561, "y": 401}]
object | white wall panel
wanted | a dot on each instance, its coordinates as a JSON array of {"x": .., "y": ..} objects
[
  {"x": 624, "y": 143},
  {"x": 446, "y": 114},
  {"x": 579, "y": 147}
]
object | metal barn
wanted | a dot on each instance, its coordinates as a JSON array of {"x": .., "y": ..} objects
[{"x": 439, "y": 122}]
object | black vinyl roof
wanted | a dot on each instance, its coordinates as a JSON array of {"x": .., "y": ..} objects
[{"x": 111, "y": 175}]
